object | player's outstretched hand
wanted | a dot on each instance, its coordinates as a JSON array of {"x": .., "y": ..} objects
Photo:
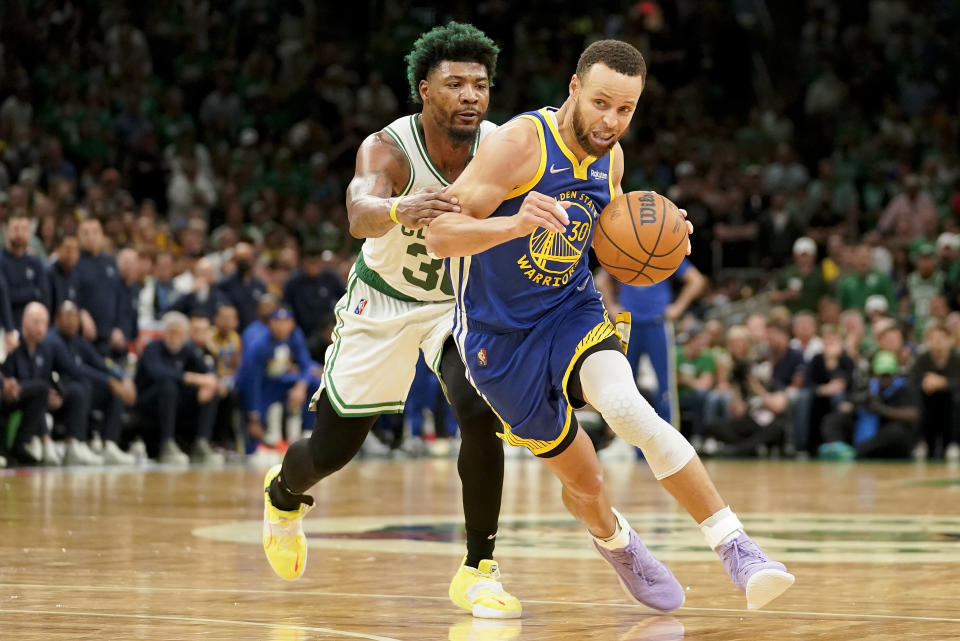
[
  {"x": 683, "y": 212},
  {"x": 540, "y": 210},
  {"x": 422, "y": 206}
]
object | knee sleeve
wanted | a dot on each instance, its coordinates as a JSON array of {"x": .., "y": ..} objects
[{"x": 608, "y": 384}]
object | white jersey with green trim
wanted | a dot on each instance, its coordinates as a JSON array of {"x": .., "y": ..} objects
[{"x": 400, "y": 257}]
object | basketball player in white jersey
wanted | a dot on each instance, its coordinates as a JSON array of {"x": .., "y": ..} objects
[{"x": 398, "y": 303}]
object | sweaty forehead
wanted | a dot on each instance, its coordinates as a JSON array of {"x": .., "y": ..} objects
[{"x": 447, "y": 68}]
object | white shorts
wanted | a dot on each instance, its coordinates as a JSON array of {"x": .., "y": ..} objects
[{"x": 372, "y": 360}]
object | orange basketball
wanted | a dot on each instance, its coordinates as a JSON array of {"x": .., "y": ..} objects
[{"x": 641, "y": 238}]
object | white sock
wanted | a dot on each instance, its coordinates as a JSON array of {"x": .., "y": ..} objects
[
  {"x": 620, "y": 537},
  {"x": 722, "y": 527}
]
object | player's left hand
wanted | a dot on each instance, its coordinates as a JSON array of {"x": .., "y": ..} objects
[
  {"x": 674, "y": 311},
  {"x": 683, "y": 212},
  {"x": 422, "y": 206}
]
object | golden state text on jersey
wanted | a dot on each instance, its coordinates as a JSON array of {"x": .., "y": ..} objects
[
  {"x": 513, "y": 285},
  {"x": 552, "y": 258}
]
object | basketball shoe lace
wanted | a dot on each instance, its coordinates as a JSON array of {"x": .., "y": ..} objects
[
  {"x": 630, "y": 556},
  {"x": 739, "y": 555}
]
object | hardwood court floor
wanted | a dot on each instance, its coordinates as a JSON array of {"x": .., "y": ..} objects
[{"x": 160, "y": 554}]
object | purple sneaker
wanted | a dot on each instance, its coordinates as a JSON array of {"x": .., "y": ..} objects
[
  {"x": 753, "y": 572},
  {"x": 642, "y": 577}
]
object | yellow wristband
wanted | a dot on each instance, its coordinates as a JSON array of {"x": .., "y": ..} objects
[{"x": 393, "y": 210}]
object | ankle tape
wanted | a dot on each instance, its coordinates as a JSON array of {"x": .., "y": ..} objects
[{"x": 716, "y": 533}]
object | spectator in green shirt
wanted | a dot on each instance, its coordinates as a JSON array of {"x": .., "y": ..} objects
[
  {"x": 923, "y": 285},
  {"x": 948, "y": 248},
  {"x": 864, "y": 281},
  {"x": 800, "y": 286},
  {"x": 695, "y": 377}
]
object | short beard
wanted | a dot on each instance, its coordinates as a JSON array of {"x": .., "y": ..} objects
[
  {"x": 457, "y": 134},
  {"x": 580, "y": 131},
  {"x": 461, "y": 135}
]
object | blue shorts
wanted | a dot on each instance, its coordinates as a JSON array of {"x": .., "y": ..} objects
[{"x": 523, "y": 374}]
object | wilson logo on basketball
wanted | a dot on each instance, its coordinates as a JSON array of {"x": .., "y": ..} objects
[
  {"x": 648, "y": 209},
  {"x": 641, "y": 238}
]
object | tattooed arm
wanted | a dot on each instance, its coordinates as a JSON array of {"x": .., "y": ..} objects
[{"x": 382, "y": 172}]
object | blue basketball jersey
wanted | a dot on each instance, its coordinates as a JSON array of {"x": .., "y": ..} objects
[{"x": 514, "y": 285}]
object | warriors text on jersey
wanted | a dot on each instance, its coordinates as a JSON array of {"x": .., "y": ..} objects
[{"x": 397, "y": 263}]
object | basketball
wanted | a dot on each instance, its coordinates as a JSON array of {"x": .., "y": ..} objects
[{"x": 641, "y": 238}]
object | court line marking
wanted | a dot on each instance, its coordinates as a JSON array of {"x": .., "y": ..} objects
[
  {"x": 164, "y": 617},
  {"x": 118, "y": 588}
]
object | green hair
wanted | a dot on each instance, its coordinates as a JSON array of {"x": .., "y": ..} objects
[{"x": 454, "y": 42}]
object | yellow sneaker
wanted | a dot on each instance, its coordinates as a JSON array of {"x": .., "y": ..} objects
[
  {"x": 283, "y": 539},
  {"x": 479, "y": 592}
]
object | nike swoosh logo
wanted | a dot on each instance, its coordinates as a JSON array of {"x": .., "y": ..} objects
[
  {"x": 582, "y": 286},
  {"x": 553, "y": 170}
]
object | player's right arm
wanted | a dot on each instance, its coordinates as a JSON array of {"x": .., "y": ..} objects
[
  {"x": 381, "y": 172},
  {"x": 507, "y": 160}
]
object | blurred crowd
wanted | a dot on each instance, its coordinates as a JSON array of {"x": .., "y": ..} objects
[
  {"x": 825, "y": 384},
  {"x": 178, "y": 167}
]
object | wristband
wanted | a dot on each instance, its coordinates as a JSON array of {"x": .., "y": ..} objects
[{"x": 393, "y": 210}]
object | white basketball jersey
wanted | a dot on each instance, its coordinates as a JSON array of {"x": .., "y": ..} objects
[{"x": 399, "y": 258}]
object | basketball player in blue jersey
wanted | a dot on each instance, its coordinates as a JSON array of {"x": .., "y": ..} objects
[
  {"x": 534, "y": 335},
  {"x": 399, "y": 303}
]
